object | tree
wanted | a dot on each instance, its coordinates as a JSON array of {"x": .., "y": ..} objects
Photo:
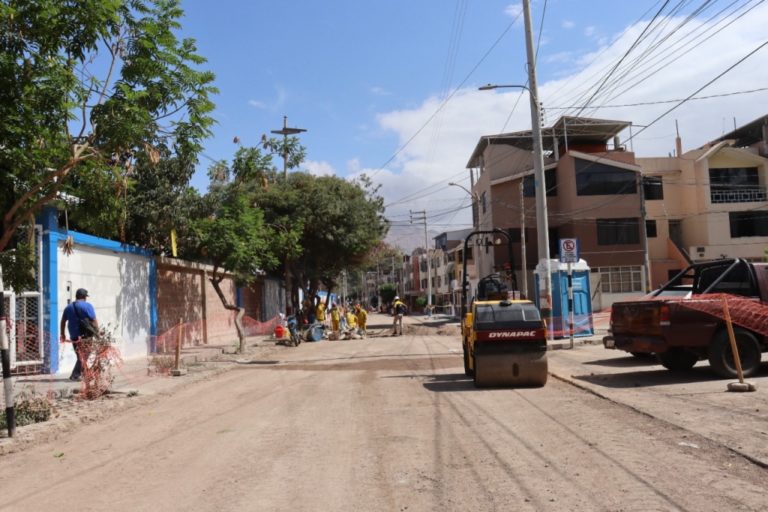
[
  {"x": 334, "y": 222},
  {"x": 92, "y": 94},
  {"x": 388, "y": 292},
  {"x": 233, "y": 239}
]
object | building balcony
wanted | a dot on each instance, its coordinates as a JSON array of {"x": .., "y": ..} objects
[{"x": 738, "y": 195}]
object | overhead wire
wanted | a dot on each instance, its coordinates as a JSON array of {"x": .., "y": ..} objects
[
  {"x": 644, "y": 71},
  {"x": 626, "y": 54},
  {"x": 446, "y": 100}
]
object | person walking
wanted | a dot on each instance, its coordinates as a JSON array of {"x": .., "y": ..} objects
[
  {"x": 362, "y": 319},
  {"x": 398, "y": 310},
  {"x": 79, "y": 318},
  {"x": 320, "y": 310}
]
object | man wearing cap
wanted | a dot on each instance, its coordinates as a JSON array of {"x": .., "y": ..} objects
[
  {"x": 73, "y": 315},
  {"x": 398, "y": 310}
]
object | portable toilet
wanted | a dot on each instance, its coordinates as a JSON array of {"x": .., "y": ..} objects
[{"x": 582, "y": 300}]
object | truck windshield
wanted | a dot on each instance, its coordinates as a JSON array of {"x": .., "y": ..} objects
[{"x": 496, "y": 316}]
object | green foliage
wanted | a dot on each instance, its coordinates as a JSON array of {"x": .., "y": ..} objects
[
  {"x": 93, "y": 94},
  {"x": 322, "y": 224},
  {"x": 388, "y": 291},
  {"x": 30, "y": 408},
  {"x": 421, "y": 301},
  {"x": 233, "y": 239}
]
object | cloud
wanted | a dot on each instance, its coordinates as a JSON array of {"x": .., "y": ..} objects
[
  {"x": 417, "y": 177},
  {"x": 257, "y": 104},
  {"x": 589, "y": 31},
  {"x": 379, "y": 91},
  {"x": 514, "y": 11},
  {"x": 567, "y": 24},
  {"x": 319, "y": 168},
  {"x": 559, "y": 57}
]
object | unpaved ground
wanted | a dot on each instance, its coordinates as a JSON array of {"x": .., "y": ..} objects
[{"x": 382, "y": 424}]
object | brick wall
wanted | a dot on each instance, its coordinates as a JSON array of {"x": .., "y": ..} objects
[{"x": 184, "y": 291}]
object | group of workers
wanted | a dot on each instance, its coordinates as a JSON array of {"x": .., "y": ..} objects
[
  {"x": 348, "y": 319},
  {"x": 352, "y": 319}
]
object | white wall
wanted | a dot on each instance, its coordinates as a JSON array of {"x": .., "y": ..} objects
[{"x": 118, "y": 285}]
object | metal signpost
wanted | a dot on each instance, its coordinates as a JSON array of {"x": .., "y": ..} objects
[{"x": 569, "y": 254}]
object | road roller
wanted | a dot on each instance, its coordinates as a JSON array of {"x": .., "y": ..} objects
[{"x": 505, "y": 343}]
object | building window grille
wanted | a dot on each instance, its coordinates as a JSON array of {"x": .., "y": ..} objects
[{"x": 620, "y": 279}]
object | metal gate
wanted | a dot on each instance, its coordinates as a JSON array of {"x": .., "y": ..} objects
[{"x": 25, "y": 319}]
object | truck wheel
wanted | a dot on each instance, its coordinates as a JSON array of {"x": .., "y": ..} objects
[
  {"x": 678, "y": 359},
  {"x": 467, "y": 370},
  {"x": 721, "y": 356}
]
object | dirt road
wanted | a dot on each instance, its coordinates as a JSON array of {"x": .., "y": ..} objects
[{"x": 382, "y": 424}]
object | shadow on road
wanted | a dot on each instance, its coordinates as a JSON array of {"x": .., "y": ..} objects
[
  {"x": 449, "y": 382},
  {"x": 650, "y": 378},
  {"x": 625, "y": 362}
]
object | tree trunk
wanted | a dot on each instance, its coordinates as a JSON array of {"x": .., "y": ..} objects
[{"x": 216, "y": 281}]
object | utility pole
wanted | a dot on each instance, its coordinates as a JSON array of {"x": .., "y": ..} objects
[
  {"x": 542, "y": 221},
  {"x": 523, "y": 256},
  {"x": 421, "y": 216},
  {"x": 285, "y": 132},
  {"x": 5, "y": 357}
]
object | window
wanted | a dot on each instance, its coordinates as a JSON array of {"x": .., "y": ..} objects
[
  {"x": 618, "y": 231},
  {"x": 595, "y": 179},
  {"x": 748, "y": 224},
  {"x": 652, "y": 188},
  {"x": 514, "y": 235},
  {"x": 650, "y": 228},
  {"x": 735, "y": 185},
  {"x": 550, "y": 180},
  {"x": 620, "y": 279},
  {"x": 483, "y": 201}
]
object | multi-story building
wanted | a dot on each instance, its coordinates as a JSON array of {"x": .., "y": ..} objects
[
  {"x": 593, "y": 194},
  {"x": 708, "y": 203}
]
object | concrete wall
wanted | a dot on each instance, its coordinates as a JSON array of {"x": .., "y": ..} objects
[
  {"x": 121, "y": 281},
  {"x": 118, "y": 287}
]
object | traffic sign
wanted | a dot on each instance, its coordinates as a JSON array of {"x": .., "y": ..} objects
[{"x": 569, "y": 250}]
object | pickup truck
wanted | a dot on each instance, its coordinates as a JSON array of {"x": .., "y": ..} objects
[{"x": 683, "y": 321}]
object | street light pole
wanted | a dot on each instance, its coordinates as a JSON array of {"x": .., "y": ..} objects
[
  {"x": 542, "y": 222},
  {"x": 422, "y": 217},
  {"x": 285, "y": 132},
  {"x": 475, "y": 201}
]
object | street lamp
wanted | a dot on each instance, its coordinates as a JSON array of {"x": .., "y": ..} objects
[
  {"x": 472, "y": 194},
  {"x": 542, "y": 223},
  {"x": 285, "y": 132},
  {"x": 475, "y": 201}
]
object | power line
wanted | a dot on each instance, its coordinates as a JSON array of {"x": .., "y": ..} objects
[
  {"x": 445, "y": 102},
  {"x": 661, "y": 102},
  {"x": 626, "y": 54}
]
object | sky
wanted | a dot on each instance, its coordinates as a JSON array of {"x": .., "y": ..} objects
[{"x": 390, "y": 89}]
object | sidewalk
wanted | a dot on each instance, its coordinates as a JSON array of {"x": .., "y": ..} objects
[
  {"x": 695, "y": 401},
  {"x": 136, "y": 382}
]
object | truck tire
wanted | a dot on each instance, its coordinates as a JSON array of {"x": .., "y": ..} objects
[
  {"x": 678, "y": 359},
  {"x": 469, "y": 372},
  {"x": 721, "y": 356}
]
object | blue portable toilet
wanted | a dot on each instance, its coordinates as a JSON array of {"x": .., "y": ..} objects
[{"x": 582, "y": 300}]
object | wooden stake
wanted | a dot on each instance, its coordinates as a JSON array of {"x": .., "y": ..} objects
[
  {"x": 732, "y": 339},
  {"x": 177, "y": 371}
]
